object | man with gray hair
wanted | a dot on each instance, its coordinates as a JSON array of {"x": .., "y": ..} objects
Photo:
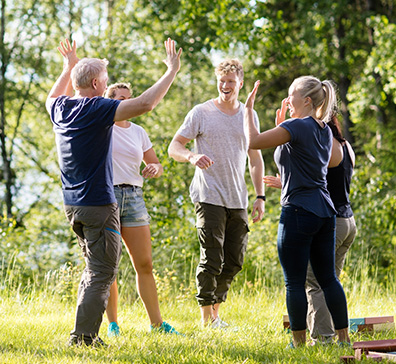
[
  {"x": 218, "y": 188},
  {"x": 83, "y": 126}
]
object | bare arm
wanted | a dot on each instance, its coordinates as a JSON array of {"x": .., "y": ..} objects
[
  {"x": 153, "y": 167},
  {"x": 178, "y": 151},
  {"x": 268, "y": 139},
  {"x": 150, "y": 98},
  {"x": 256, "y": 168},
  {"x": 351, "y": 153},
  {"x": 63, "y": 85}
]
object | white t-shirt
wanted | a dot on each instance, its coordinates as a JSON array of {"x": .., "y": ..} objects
[
  {"x": 129, "y": 144},
  {"x": 222, "y": 138}
]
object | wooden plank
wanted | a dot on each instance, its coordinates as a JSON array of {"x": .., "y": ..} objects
[
  {"x": 347, "y": 359},
  {"x": 365, "y": 327},
  {"x": 374, "y": 357},
  {"x": 387, "y": 356},
  {"x": 354, "y": 323},
  {"x": 286, "y": 322},
  {"x": 357, "y": 321},
  {"x": 378, "y": 320},
  {"x": 376, "y": 345},
  {"x": 358, "y": 354},
  {"x": 383, "y": 327}
]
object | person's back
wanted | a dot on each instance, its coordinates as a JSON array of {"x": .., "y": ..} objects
[
  {"x": 83, "y": 130},
  {"x": 83, "y": 126},
  {"x": 302, "y": 163}
]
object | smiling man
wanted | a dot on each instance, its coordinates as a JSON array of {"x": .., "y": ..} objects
[{"x": 218, "y": 189}]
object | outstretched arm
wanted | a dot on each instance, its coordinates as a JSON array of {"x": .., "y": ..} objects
[
  {"x": 268, "y": 139},
  {"x": 62, "y": 85},
  {"x": 150, "y": 98}
]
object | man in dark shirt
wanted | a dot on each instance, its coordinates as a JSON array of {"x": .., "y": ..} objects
[{"x": 83, "y": 127}]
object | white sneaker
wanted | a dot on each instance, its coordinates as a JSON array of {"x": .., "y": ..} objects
[{"x": 218, "y": 323}]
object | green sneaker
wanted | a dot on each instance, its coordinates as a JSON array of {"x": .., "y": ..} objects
[{"x": 165, "y": 328}]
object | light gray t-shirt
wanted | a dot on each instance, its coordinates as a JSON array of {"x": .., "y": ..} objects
[{"x": 222, "y": 138}]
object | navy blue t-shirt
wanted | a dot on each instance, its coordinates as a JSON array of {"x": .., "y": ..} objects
[
  {"x": 302, "y": 164},
  {"x": 83, "y": 129}
]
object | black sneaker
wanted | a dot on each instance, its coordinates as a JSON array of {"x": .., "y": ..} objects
[{"x": 96, "y": 342}]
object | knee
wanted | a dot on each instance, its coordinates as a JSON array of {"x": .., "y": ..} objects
[
  {"x": 231, "y": 271},
  {"x": 144, "y": 267}
]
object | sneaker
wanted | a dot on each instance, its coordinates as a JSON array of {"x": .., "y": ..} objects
[
  {"x": 344, "y": 344},
  {"x": 165, "y": 328},
  {"x": 218, "y": 323},
  {"x": 86, "y": 340},
  {"x": 113, "y": 329},
  {"x": 322, "y": 340},
  {"x": 290, "y": 345}
]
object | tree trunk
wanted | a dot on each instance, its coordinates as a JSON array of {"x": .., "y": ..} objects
[{"x": 6, "y": 165}]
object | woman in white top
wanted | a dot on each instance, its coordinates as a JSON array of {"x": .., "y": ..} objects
[{"x": 131, "y": 146}]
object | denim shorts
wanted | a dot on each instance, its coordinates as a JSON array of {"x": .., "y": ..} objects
[{"x": 131, "y": 204}]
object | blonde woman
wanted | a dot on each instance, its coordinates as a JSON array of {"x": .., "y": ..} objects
[{"x": 306, "y": 230}]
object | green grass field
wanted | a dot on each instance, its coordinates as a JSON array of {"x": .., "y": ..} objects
[{"x": 35, "y": 325}]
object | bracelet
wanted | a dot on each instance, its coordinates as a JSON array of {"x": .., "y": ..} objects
[{"x": 260, "y": 197}]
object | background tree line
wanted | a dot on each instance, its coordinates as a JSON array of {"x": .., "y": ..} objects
[{"x": 352, "y": 42}]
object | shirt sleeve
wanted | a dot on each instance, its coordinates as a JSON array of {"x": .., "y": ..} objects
[
  {"x": 190, "y": 128},
  {"x": 295, "y": 127},
  {"x": 146, "y": 142}
]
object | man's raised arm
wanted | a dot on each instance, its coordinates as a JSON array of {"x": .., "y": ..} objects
[
  {"x": 63, "y": 85},
  {"x": 150, "y": 98}
]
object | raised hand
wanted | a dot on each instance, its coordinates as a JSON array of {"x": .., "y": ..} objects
[
  {"x": 68, "y": 52},
  {"x": 172, "y": 57},
  {"x": 281, "y": 113},
  {"x": 252, "y": 96}
]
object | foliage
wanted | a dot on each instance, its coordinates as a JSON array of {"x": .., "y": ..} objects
[{"x": 348, "y": 41}]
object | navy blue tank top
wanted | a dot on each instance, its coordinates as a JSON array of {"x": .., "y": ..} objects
[{"x": 338, "y": 184}]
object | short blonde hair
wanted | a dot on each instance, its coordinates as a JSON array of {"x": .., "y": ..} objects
[
  {"x": 86, "y": 70},
  {"x": 322, "y": 94},
  {"x": 112, "y": 89},
  {"x": 230, "y": 66}
]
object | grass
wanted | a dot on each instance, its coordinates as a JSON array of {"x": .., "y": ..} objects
[{"x": 35, "y": 325}]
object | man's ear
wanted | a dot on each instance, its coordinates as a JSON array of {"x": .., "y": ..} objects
[
  {"x": 94, "y": 83},
  {"x": 241, "y": 85}
]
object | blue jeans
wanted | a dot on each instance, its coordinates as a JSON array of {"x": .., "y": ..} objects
[
  {"x": 304, "y": 237},
  {"x": 133, "y": 212}
]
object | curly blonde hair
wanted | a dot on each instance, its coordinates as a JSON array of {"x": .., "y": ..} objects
[{"x": 230, "y": 66}]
